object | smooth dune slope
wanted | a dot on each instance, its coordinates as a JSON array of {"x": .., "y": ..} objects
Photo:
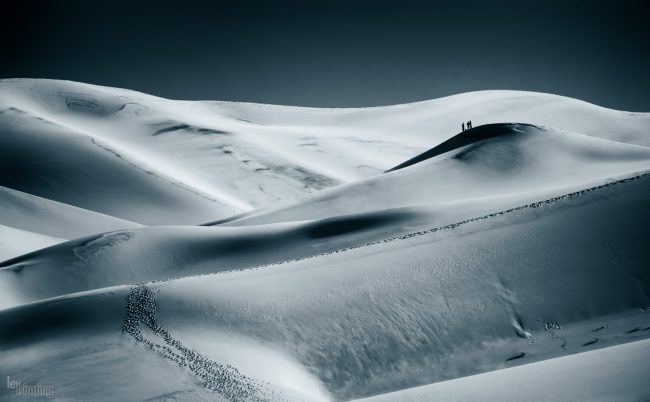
[
  {"x": 15, "y": 242},
  {"x": 236, "y": 162},
  {"x": 248, "y": 156},
  {"x": 514, "y": 165},
  {"x": 40, "y": 215},
  {"x": 467, "y": 137},
  {"x": 341, "y": 253},
  {"x": 380, "y": 318},
  {"x": 49, "y": 161},
  {"x": 430, "y": 122},
  {"x": 508, "y": 164},
  {"x": 618, "y": 373},
  {"x": 438, "y": 306},
  {"x": 154, "y": 253}
]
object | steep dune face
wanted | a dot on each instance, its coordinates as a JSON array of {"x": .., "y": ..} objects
[
  {"x": 508, "y": 244},
  {"x": 551, "y": 380},
  {"x": 75, "y": 342},
  {"x": 238, "y": 163},
  {"x": 467, "y": 137},
  {"x": 15, "y": 242},
  {"x": 395, "y": 314},
  {"x": 29, "y": 223},
  {"x": 247, "y": 156},
  {"x": 415, "y": 310},
  {"x": 154, "y": 253},
  {"x": 487, "y": 171},
  {"x": 40, "y": 215},
  {"x": 501, "y": 163},
  {"x": 52, "y": 162}
]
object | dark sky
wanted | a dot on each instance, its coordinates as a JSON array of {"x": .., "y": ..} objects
[{"x": 336, "y": 53}]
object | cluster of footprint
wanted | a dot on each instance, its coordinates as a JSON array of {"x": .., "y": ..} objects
[
  {"x": 552, "y": 328},
  {"x": 232, "y": 384},
  {"x": 223, "y": 379}
]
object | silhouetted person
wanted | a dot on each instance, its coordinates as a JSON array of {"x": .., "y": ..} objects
[
  {"x": 463, "y": 126},
  {"x": 469, "y": 124}
]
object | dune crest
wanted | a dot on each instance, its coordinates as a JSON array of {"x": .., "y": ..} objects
[{"x": 230, "y": 251}]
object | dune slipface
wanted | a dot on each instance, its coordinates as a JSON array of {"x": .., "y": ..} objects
[{"x": 231, "y": 251}]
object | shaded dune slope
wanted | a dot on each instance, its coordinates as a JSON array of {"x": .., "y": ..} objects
[
  {"x": 512, "y": 158},
  {"x": 154, "y": 253},
  {"x": 509, "y": 161},
  {"x": 550, "y": 380},
  {"x": 467, "y": 137},
  {"x": 15, "y": 242},
  {"x": 52, "y": 162},
  {"x": 40, "y": 215},
  {"x": 248, "y": 156},
  {"x": 428, "y": 314},
  {"x": 505, "y": 245}
]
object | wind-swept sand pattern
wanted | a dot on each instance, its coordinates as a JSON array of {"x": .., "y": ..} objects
[
  {"x": 576, "y": 377},
  {"x": 179, "y": 250}
]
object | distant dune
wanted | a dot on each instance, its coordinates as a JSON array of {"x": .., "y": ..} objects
[{"x": 488, "y": 168}]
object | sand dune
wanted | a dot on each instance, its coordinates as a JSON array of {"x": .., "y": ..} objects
[
  {"x": 52, "y": 162},
  {"x": 154, "y": 253},
  {"x": 584, "y": 377},
  {"x": 247, "y": 156},
  {"x": 15, "y": 242},
  {"x": 51, "y": 218},
  {"x": 457, "y": 299},
  {"x": 509, "y": 164},
  {"x": 316, "y": 274}
]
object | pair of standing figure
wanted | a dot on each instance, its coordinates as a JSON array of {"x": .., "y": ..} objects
[{"x": 469, "y": 125}]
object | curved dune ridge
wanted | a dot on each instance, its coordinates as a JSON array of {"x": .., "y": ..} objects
[
  {"x": 41, "y": 215},
  {"x": 468, "y": 137},
  {"x": 54, "y": 162},
  {"x": 552, "y": 379},
  {"x": 17, "y": 242},
  {"x": 503, "y": 164},
  {"x": 365, "y": 294},
  {"x": 348, "y": 253}
]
